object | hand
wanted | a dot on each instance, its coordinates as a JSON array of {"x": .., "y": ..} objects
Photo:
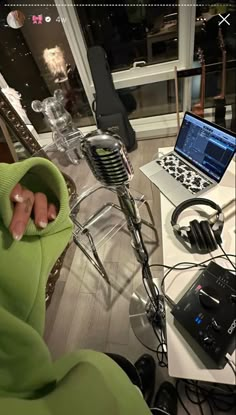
[{"x": 27, "y": 203}]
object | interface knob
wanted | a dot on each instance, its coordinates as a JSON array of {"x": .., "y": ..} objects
[
  {"x": 208, "y": 297},
  {"x": 208, "y": 340},
  {"x": 215, "y": 325}
]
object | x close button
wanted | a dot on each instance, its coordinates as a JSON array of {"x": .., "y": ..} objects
[{"x": 224, "y": 19}]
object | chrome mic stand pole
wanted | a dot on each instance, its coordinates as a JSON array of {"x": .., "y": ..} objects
[{"x": 147, "y": 311}]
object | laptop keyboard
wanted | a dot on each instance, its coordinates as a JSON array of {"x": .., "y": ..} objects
[{"x": 183, "y": 173}]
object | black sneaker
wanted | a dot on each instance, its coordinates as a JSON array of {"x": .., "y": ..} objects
[
  {"x": 146, "y": 368},
  {"x": 166, "y": 399}
]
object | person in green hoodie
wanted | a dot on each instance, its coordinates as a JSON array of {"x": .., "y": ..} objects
[{"x": 35, "y": 227}]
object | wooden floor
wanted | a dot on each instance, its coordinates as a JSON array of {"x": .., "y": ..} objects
[{"x": 85, "y": 312}]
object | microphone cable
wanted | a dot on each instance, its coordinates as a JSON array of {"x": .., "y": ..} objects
[
  {"x": 226, "y": 255},
  {"x": 161, "y": 350},
  {"x": 217, "y": 397},
  {"x": 181, "y": 266}
]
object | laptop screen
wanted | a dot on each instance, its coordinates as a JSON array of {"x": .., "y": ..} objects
[{"x": 209, "y": 147}]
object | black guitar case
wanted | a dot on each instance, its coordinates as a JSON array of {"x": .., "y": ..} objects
[{"x": 108, "y": 107}]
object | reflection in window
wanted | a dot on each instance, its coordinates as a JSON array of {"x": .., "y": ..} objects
[
  {"x": 36, "y": 59},
  {"x": 217, "y": 39},
  {"x": 207, "y": 31},
  {"x": 213, "y": 89},
  {"x": 152, "y": 99},
  {"x": 132, "y": 33}
]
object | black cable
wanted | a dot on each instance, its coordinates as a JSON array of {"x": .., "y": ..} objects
[
  {"x": 176, "y": 267},
  {"x": 189, "y": 266},
  {"x": 213, "y": 398},
  {"x": 222, "y": 249},
  {"x": 146, "y": 289},
  {"x": 193, "y": 264},
  {"x": 156, "y": 351},
  {"x": 195, "y": 391},
  {"x": 179, "y": 397},
  {"x": 221, "y": 393},
  {"x": 203, "y": 396},
  {"x": 200, "y": 402},
  {"x": 160, "y": 351},
  {"x": 210, "y": 407},
  {"x": 163, "y": 361}
]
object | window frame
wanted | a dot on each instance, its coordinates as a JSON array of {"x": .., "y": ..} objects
[{"x": 135, "y": 76}]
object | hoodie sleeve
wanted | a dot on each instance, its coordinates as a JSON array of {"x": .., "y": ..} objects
[{"x": 24, "y": 269}]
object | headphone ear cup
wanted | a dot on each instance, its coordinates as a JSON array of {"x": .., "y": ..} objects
[
  {"x": 198, "y": 240},
  {"x": 209, "y": 235},
  {"x": 192, "y": 236}
]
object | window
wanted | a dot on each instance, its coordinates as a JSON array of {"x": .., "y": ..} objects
[
  {"x": 36, "y": 59},
  {"x": 132, "y": 33},
  {"x": 150, "y": 100},
  {"x": 208, "y": 23},
  {"x": 216, "y": 38}
]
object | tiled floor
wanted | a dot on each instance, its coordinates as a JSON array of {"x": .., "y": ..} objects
[{"x": 85, "y": 312}]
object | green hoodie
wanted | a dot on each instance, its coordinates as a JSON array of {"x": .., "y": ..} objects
[{"x": 82, "y": 383}]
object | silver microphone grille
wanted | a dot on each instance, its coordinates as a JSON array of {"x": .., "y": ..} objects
[{"x": 107, "y": 157}]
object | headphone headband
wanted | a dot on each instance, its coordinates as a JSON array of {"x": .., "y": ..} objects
[{"x": 193, "y": 202}]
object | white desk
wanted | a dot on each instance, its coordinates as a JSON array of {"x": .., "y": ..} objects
[{"x": 183, "y": 362}]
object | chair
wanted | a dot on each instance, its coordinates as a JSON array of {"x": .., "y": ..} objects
[
  {"x": 98, "y": 228},
  {"x": 94, "y": 230}
]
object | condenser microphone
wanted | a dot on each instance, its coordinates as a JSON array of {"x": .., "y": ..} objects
[{"x": 107, "y": 157}]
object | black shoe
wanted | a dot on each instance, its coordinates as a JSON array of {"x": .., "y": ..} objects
[
  {"x": 146, "y": 368},
  {"x": 166, "y": 399}
]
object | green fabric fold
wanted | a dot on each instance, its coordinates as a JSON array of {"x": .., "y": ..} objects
[
  {"x": 85, "y": 382},
  {"x": 24, "y": 269}
]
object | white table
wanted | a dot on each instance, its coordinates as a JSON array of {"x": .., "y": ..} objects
[{"x": 182, "y": 361}]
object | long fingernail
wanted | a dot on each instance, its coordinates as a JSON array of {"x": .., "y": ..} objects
[
  {"x": 18, "y": 231},
  {"x": 53, "y": 216},
  {"x": 18, "y": 198},
  {"x": 42, "y": 224}
]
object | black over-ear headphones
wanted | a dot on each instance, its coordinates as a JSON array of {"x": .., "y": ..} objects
[{"x": 203, "y": 236}]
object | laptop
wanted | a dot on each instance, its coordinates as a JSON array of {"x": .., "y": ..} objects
[{"x": 201, "y": 155}]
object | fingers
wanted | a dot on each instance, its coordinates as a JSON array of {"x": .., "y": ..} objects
[
  {"x": 52, "y": 212},
  {"x": 25, "y": 202},
  {"x": 40, "y": 210},
  {"x": 17, "y": 194},
  {"x": 21, "y": 215}
]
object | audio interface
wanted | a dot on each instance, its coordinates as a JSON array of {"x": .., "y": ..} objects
[{"x": 207, "y": 311}]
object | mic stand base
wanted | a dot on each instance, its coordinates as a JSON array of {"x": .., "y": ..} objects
[{"x": 143, "y": 317}]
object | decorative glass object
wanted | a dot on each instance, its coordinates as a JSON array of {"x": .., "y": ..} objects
[{"x": 65, "y": 136}]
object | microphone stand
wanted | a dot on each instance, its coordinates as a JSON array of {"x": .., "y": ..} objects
[
  {"x": 147, "y": 311},
  {"x": 147, "y": 306}
]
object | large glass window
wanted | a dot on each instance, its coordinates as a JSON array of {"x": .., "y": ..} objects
[
  {"x": 215, "y": 38},
  {"x": 150, "y": 100},
  {"x": 132, "y": 33},
  {"x": 35, "y": 59},
  {"x": 209, "y": 19}
]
